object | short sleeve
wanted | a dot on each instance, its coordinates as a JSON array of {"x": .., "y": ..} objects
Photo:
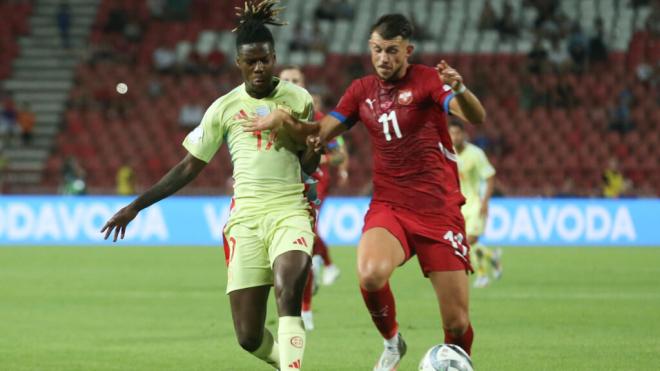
[
  {"x": 441, "y": 93},
  {"x": 484, "y": 167},
  {"x": 205, "y": 140},
  {"x": 348, "y": 108},
  {"x": 308, "y": 111}
]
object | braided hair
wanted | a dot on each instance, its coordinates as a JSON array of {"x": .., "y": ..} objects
[{"x": 252, "y": 21}]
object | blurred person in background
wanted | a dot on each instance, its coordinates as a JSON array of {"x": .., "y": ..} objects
[
  {"x": 63, "y": 16},
  {"x": 4, "y": 163},
  {"x": 125, "y": 180},
  {"x": 597, "y": 46},
  {"x": 8, "y": 120},
  {"x": 614, "y": 182},
  {"x": 335, "y": 155},
  {"x": 73, "y": 178},
  {"x": 191, "y": 114},
  {"x": 488, "y": 17},
  {"x": 26, "y": 120},
  {"x": 475, "y": 170}
]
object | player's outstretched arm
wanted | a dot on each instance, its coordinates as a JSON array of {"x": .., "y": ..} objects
[
  {"x": 465, "y": 105},
  {"x": 326, "y": 129},
  {"x": 180, "y": 175}
]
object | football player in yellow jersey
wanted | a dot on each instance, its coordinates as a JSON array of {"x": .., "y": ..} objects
[
  {"x": 474, "y": 169},
  {"x": 269, "y": 231}
]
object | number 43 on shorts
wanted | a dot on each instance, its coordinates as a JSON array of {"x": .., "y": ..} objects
[{"x": 456, "y": 240}]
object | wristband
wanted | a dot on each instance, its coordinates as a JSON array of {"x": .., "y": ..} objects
[{"x": 460, "y": 90}]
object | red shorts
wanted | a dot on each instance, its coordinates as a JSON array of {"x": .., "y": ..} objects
[{"x": 438, "y": 241}]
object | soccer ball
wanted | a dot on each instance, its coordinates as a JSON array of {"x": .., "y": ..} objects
[{"x": 446, "y": 357}]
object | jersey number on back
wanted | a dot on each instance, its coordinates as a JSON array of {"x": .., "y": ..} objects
[{"x": 385, "y": 119}]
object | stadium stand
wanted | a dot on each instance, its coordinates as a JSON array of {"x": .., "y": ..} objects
[{"x": 551, "y": 129}]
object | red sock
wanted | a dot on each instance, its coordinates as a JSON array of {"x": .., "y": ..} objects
[
  {"x": 464, "y": 341},
  {"x": 307, "y": 292},
  {"x": 320, "y": 248},
  {"x": 383, "y": 312}
]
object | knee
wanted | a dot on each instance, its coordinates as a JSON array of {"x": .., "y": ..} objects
[
  {"x": 457, "y": 324},
  {"x": 249, "y": 341},
  {"x": 372, "y": 276}
]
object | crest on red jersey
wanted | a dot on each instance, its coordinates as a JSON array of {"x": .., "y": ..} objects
[{"x": 405, "y": 97}]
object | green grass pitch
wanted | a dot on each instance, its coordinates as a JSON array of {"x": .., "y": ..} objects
[{"x": 136, "y": 308}]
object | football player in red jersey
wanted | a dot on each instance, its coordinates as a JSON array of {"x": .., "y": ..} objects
[{"x": 416, "y": 205}]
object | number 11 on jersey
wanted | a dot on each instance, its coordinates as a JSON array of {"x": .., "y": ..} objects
[{"x": 385, "y": 119}]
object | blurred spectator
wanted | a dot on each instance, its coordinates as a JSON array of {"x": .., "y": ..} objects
[
  {"x": 597, "y": 47},
  {"x": 4, "y": 163},
  {"x": 537, "y": 57},
  {"x": 191, "y": 114},
  {"x": 125, "y": 181},
  {"x": 73, "y": 178},
  {"x": 8, "y": 117},
  {"x": 653, "y": 21},
  {"x": 26, "y": 121},
  {"x": 304, "y": 40},
  {"x": 344, "y": 10},
  {"x": 301, "y": 40},
  {"x": 64, "y": 23},
  {"x": 420, "y": 33},
  {"x": 164, "y": 59},
  {"x": 154, "y": 87},
  {"x": 620, "y": 114},
  {"x": 133, "y": 30},
  {"x": 117, "y": 19},
  {"x": 644, "y": 72},
  {"x": 558, "y": 55},
  {"x": 506, "y": 25},
  {"x": 614, "y": 183},
  {"x": 488, "y": 17},
  {"x": 577, "y": 46},
  {"x": 332, "y": 10},
  {"x": 156, "y": 8}
]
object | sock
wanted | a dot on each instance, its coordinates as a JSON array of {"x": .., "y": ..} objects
[
  {"x": 464, "y": 341},
  {"x": 268, "y": 351},
  {"x": 322, "y": 249},
  {"x": 383, "y": 312},
  {"x": 393, "y": 342},
  {"x": 307, "y": 292},
  {"x": 291, "y": 334}
]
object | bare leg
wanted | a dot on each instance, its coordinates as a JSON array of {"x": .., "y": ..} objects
[{"x": 451, "y": 289}]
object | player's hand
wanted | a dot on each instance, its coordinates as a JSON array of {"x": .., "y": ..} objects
[
  {"x": 314, "y": 141},
  {"x": 118, "y": 223},
  {"x": 271, "y": 121},
  {"x": 449, "y": 76},
  {"x": 483, "y": 211}
]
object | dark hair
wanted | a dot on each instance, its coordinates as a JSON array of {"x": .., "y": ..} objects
[
  {"x": 457, "y": 124},
  {"x": 252, "y": 21},
  {"x": 390, "y": 26}
]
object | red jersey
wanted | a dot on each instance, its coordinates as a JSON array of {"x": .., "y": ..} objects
[{"x": 414, "y": 164}]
